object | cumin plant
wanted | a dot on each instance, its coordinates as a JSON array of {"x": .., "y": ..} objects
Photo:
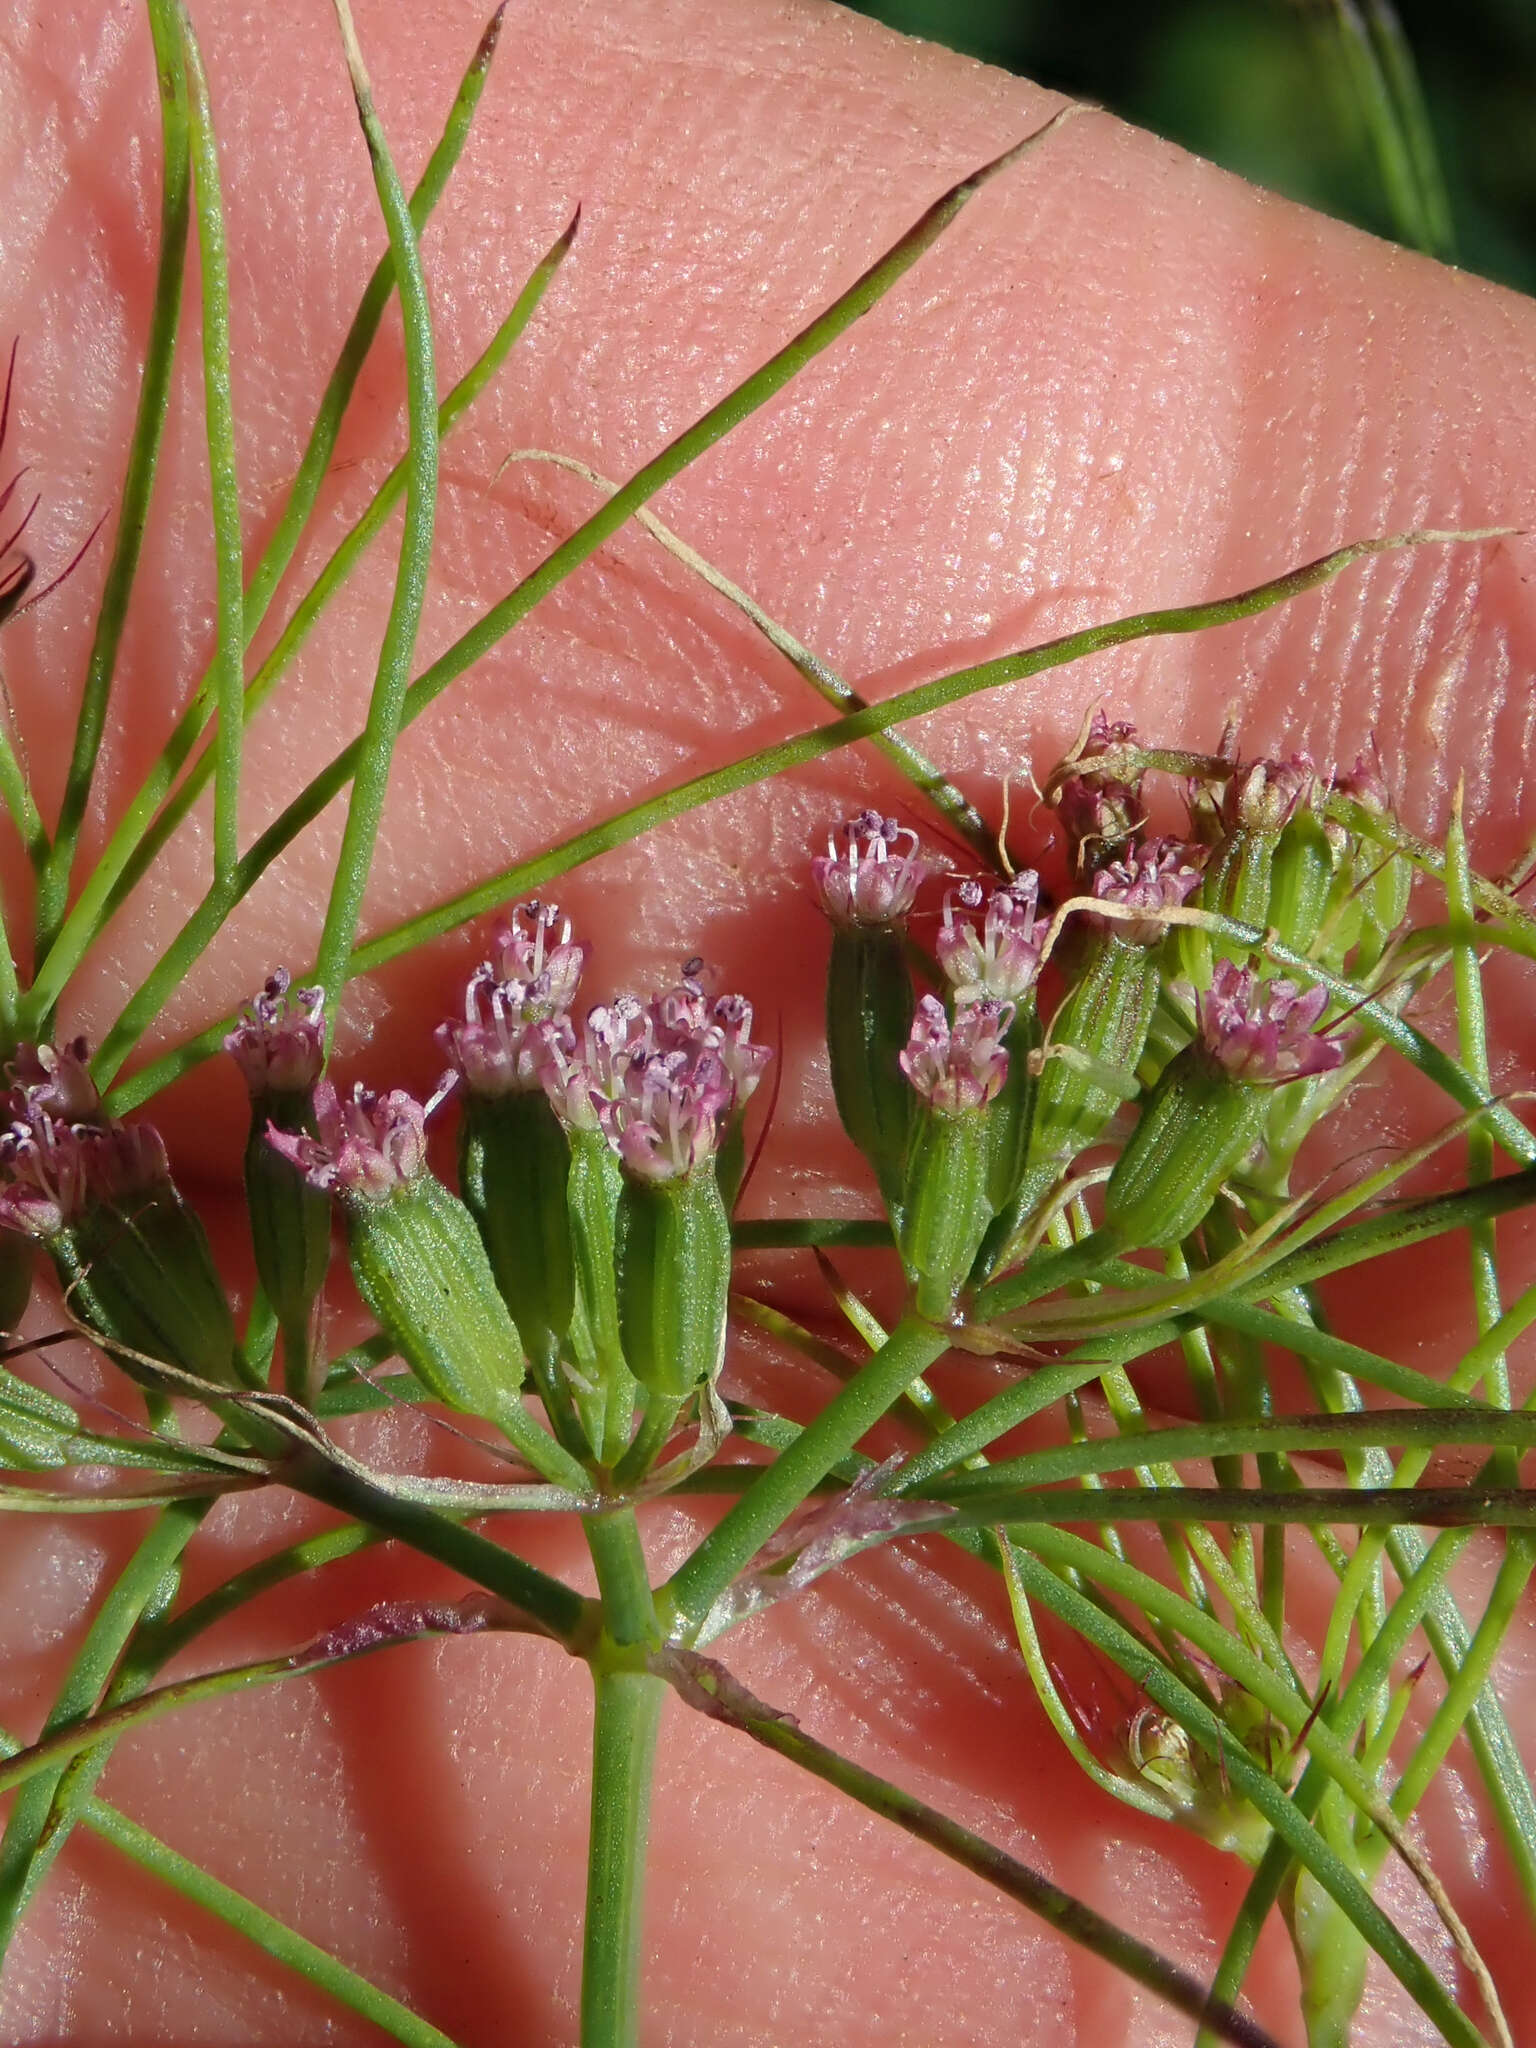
[{"x": 1088, "y": 1126}]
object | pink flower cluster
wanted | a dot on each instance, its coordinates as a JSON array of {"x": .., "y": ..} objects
[
  {"x": 1001, "y": 957},
  {"x": 366, "y": 1145},
  {"x": 279, "y": 1041},
  {"x": 1159, "y": 874},
  {"x": 59, "y": 1153},
  {"x": 874, "y": 877},
  {"x": 1264, "y": 1031},
  {"x": 959, "y": 1066},
  {"x": 517, "y": 1004},
  {"x": 1097, "y": 809},
  {"x": 660, "y": 1079},
  {"x": 991, "y": 966}
]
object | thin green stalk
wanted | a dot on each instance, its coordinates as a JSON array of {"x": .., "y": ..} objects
[
  {"x": 950, "y": 803},
  {"x": 371, "y": 778},
  {"x": 1014, "y": 1404},
  {"x": 1359, "y": 60},
  {"x": 16, "y": 794},
  {"x": 558, "y": 1610},
  {"x": 779, "y": 1489},
  {"x": 224, "y": 476},
  {"x": 1246, "y": 1779},
  {"x": 1472, "y": 1031},
  {"x": 626, "y": 1719},
  {"x": 821, "y": 740},
  {"x": 140, "y": 832},
  {"x": 1365, "y": 1507},
  {"x": 316, "y": 461},
  {"x": 1493, "y": 1746},
  {"x": 737, "y": 405},
  {"x": 107, "y": 1726},
  {"x": 1130, "y": 1791},
  {"x": 1473, "y": 1673},
  {"x": 163, "y": 1863},
  {"x": 1278, "y": 1433},
  {"x": 205, "y": 922},
  {"x": 157, "y": 1645},
  {"x": 139, "y": 479},
  {"x": 710, "y": 1688},
  {"x": 30, "y": 1843}
]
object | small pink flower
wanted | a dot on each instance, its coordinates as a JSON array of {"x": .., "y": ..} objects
[
  {"x": 874, "y": 880},
  {"x": 580, "y": 1076},
  {"x": 1002, "y": 959},
  {"x": 55, "y": 1079},
  {"x": 1264, "y": 1031},
  {"x": 961, "y": 1066},
  {"x": 729, "y": 1033},
  {"x": 44, "y": 1175},
  {"x": 368, "y": 1145},
  {"x": 1365, "y": 783},
  {"x": 500, "y": 1048},
  {"x": 679, "y": 1015},
  {"x": 51, "y": 1171},
  {"x": 279, "y": 1042},
  {"x": 1160, "y": 874},
  {"x": 668, "y": 1119},
  {"x": 536, "y": 954}
]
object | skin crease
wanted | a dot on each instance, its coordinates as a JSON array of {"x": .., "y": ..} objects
[{"x": 1123, "y": 379}]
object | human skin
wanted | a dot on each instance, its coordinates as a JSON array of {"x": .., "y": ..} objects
[{"x": 1123, "y": 379}]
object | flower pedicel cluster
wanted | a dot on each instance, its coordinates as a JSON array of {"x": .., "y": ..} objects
[
  {"x": 1041, "y": 1098},
  {"x": 599, "y": 1157}
]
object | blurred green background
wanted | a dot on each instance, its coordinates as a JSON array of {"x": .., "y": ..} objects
[{"x": 1417, "y": 122}]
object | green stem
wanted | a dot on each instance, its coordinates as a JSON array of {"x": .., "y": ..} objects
[
  {"x": 371, "y": 778},
  {"x": 623, "y": 1581},
  {"x": 627, "y": 1715},
  {"x": 1278, "y": 1433},
  {"x": 707, "y": 1686},
  {"x": 139, "y": 480},
  {"x": 768, "y": 1503},
  {"x": 864, "y": 293},
  {"x": 163, "y": 1863},
  {"x": 143, "y": 827},
  {"x": 31, "y": 1839},
  {"x": 561, "y": 1612},
  {"x": 16, "y": 794},
  {"x": 626, "y": 1719},
  {"x": 1432, "y": 1507},
  {"x": 224, "y": 476}
]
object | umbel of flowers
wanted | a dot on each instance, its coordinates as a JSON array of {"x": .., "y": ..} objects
[
  {"x": 973, "y": 1112},
  {"x": 589, "y": 1243}
]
